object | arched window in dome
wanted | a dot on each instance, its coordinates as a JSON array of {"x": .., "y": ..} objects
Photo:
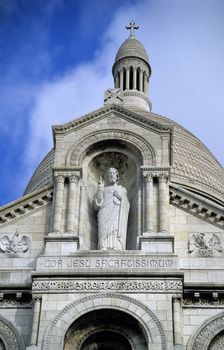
[
  {"x": 138, "y": 80},
  {"x": 131, "y": 79},
  {"x": 124, "y": 80}
]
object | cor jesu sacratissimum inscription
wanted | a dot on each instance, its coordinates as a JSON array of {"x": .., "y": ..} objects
[{"x": 116, "y": 263}]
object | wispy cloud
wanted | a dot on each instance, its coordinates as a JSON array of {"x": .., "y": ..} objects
[{"x": 184, "y": 42}]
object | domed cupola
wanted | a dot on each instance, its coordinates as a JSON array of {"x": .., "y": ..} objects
[{"x": 131, "y": 72}]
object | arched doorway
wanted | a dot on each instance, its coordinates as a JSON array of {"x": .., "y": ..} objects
[
  {"x": 2, "y": 345},
  {"x": 217, "y": 342},
  {"x": 105, "y": 329},
  {"x": 106, "y": 340}
]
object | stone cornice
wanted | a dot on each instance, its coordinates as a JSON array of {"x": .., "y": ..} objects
[
  {"x": 65, "y": 128},
  {"x": 197, "y": 205},
  {"x": 25, "y": 206}
]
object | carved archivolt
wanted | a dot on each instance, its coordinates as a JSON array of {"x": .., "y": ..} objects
[
  {"x": 203, "y": 337},
  {"x": 75, "y": 154},
  {"x": 54, "y": 336},
  {"x": 218, "y": 342},
  {"x": 10, "y": 336}
]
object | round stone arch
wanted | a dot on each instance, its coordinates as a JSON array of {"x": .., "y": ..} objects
[
  {"x": 153, "y": 328},
  {"x": 77, "y": 152},
  {"x": 209, "y": 329},
  {"x": 10, "y": 336}
]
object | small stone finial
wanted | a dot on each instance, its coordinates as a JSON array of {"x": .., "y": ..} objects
[{"x": 132, "y": 27}]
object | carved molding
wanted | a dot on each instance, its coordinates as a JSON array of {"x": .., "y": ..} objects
[
  {"x": 204, "y": 335},
  {"x": 202, "y": 302},
  {"x": 119, "y": 330},
  {"x": 218, "y": 342},
  {"x": 25, "y": 206},
  {"x": 134, "y": 62},
  {"x": 153, "y": 286},
  {"x": 104, "y": 300},
  {"x": 201, "y": 208},
  {"x": 10, "y": 335},
  {"x": 76, "y": 153},
  {"x": 137, "y": 94},
  {"x": 57, "y": 129}
]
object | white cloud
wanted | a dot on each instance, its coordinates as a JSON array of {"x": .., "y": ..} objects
[{"x": 180, "y": 73}]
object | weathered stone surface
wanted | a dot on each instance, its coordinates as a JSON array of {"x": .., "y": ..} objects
[{"x": 154, "y": 279}]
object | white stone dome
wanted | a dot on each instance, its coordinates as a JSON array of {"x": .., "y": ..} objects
[
  {"x": 133, "y": 48},
  {"x": 193, "y": 166}
]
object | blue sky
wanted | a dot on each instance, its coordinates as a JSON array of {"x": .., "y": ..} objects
[{"x": 56, "y": 58}]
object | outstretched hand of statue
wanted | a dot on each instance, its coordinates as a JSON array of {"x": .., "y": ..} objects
[{"x": 101, "y": 183}]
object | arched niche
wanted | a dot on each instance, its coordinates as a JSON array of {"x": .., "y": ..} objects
[
  {"x": 77, "y": 152},
  {"x": 127, "y": 159},
  {"x": 105, "y": 329}
]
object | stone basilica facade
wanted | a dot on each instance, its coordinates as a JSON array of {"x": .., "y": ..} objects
[{"x": 118, "y": 241}]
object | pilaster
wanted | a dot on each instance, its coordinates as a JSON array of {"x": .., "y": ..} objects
[{"x": 151, "y": 241}]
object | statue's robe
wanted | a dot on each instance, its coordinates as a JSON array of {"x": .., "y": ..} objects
[{"x": 112, "y": 218}]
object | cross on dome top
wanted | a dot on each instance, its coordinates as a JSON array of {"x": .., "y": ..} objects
[{"x": 132, "y": 27}]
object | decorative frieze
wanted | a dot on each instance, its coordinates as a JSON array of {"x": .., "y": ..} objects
[
  {"x": 99, "y": 285},
  {"x": 203, "y": 302}
]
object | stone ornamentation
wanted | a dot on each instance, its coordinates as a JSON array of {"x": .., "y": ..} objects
[
  {"x": 16, "y": 244},
  {"x": 202, "y": 245},
  {"x": 155, "y": 286},
  {"x": 12, "y": 338},
  {"x": 205, "y": 338},
  {"x": 149, "y": 318},
  {"x": 113, "y": 96},
  {"x": 217, "y": 343},
  {"x": 202, "y": 302},
  {"x": 112, "y": 205}
]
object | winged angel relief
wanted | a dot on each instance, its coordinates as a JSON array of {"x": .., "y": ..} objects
[
  {"x": 16, "y": 244},
  {"x": 204, "y": 246}
]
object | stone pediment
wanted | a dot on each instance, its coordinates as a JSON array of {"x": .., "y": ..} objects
[
  {"x": 197, "y": 205},
  {"x": 128, "y": 115},
  {"x": 25, "y": 206}
]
